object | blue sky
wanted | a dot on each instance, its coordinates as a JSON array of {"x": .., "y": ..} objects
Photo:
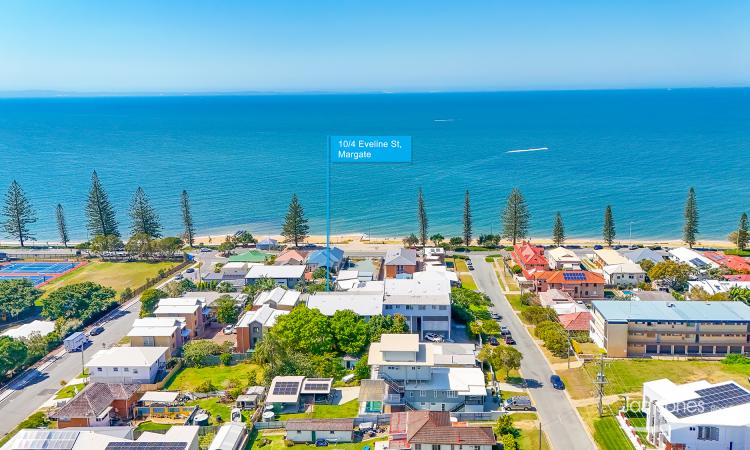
[{"x": 129, "y": 46}]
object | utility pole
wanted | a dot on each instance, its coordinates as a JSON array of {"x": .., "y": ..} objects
[
  {"x": 601, "y": 380},
  {"x": 569, "y": 349},
  {"x": 540, "y": 435}
]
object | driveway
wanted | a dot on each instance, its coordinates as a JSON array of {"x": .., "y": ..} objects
[{"x": 558, "y": 417}]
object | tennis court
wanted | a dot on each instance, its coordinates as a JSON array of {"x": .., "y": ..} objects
[{"x": 36, "y": 272}]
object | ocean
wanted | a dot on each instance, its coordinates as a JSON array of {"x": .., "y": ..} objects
[{"x": 241, "y": 158}]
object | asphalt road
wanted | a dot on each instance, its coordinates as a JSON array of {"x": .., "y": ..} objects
[
  {"x": 25, "y": 395},
  {"x": 558, "y": 417}
]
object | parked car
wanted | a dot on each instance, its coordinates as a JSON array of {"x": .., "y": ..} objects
[
  {"x": 321, "y": 443},
  {"x": 177, "y": 277},
  {"x": 496, "y": 316},
  {"x": 433, "y": 337},
  {"x": 229, "y": 329},
  {"x": 557, "y": 382},
  {"x": 205, "y": 249},
  {"x": 492, "y": 340},
  {"x": 509, "y": 340},
  {"x": 598, "y": 247},
  {"x": 505, "y": 331},
  {"x": 518, "y": 404},
  {"x": 190, "y": 270},
  {"x": 95, "y": 331}
]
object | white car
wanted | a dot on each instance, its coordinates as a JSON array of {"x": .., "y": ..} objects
[
  {"x": 433, "y": 337},
  {"x": 229, "y": 329}
]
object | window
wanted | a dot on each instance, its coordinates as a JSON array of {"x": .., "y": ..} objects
[
  {"x": 422, "y": 307},
  {"x": 452, "y": 394},
  {"x": 435, "y": 447},
  {"x": 148, "y": 341},
  {"x": 135, "y": 370},
  {"x": 708, "y": 433},
  {"x": 417, "y": 446},
  {"x": 256, "y": 329},
  {"x": 409, "y": 307},
  {"x": 299, "y": 431},
  {"x": 332, "y": 432},
  {"x": 423, "y": 393},
  {"x": 443, "y": 307},
  {"x": 116, "y": 369},
  {"x": 388, "y": 306},
  {"x": 98, "y": 369},
  {"x": 126, "y": 369}
]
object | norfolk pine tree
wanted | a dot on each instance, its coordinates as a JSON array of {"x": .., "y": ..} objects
[
  {"x": 608, "y": 232},
  {"x": 422, "y": 216},
  {"x": 187, "y": 218},
  {"x": 690, "y": 229},
  {"x": 558, "y": 231},
  {"x": 144, "y": 219},
  {"x": 743, "y": 232},
  {"x": 100, "y": 215},
  {"x": 467, "y": 219},
  {"x": 295, "y": 227},
  {"x": 18, "y": 214},
  {"x": 515, "y": 217},
  {"x": 62, "y": 226}
]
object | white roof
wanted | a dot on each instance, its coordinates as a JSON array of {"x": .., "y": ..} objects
[
  {"x": 463, "y": 380},
  {"x": 42, "y": 327},
  {"x": 228, "y": 437},
  {"x": 429, "y": 289},
  {"x": 692, "y": 258},
  {"x": 152, "y": 331},
  {"x": 399, "y": 343},
  {"x": 265, "y": 315},
  {"x": 95, "y": 438},
  {"x": 235, "y": 265},
  {"x": 610, "y": 256},
  {"x": 182, "y": 301},
  {"x": 167, "y": 322},
  {"x": 347, "y": 275},
  {"x": 401, "y": 257},
  {"x": 718, "y": 286},
  {"x": 176, "y": 309},
  {"x": 627, "y": 267},
  {"x": 563, "y": 254},
  {"x": 127, "y": 357},
  {"x": 442, "y": 270},
  {"x": 160, "y": 396},
  {"x": 278, "y": 295},
  {"x": 664, "y": 392},
  {"x": 362, "y": 304},
  {"x": 369, "y": 286},
  {"x": 568, "y": 308},
  {"x": 276, "y": 272},
  {"x": 439, "y": 354},
  {"x": 285, "y": 398}
]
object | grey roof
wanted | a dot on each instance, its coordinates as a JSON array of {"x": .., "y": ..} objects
[
  {"x": 641, "y": 254},
  {"x": 320, "y": 424},
  {"x": 94, "y": 399},
  {"x": 401, "y": 257},
  {"x": 675, "y": 311}
]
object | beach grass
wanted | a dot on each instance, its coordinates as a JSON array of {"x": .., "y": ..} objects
[{"x": 117, "y": 275}]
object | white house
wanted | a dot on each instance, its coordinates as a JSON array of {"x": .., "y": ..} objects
[
  {"x": 692, "y": 258},
  {"x": 625, "y": 274},
  {"x": 697, "y": 415},
  {"x": 288, "y": 275},
  {"x": 561, "y": 258},
  {"x": 127, "y": 364},
  {"x": 365, "y": 305},
  {"x": 178, "y": 437},
  {"x": 310, "y": 430},
  {"x": 278, "y": 298},
  {"x": 425, "y": 302}
]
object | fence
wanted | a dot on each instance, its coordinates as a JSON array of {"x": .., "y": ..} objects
[
  {"x": 477, "y": 416},
  {"x": 160, "y": 385},
  {"x": 152, "y": 282},
  {"x": 214, "y": 360}
]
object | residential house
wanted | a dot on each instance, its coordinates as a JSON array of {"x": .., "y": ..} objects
[
  {"x": 291, "y": 256},
  {"x": 98, "y": 405},
  {"x": 286, "y": 275},
  {"x": 160, "y": 335},
  {"x": 433, "y": 255},
  {"x": 278, "y": 298},
  {"x": 639, "y": 255},
  {"x": 231, "y": 436},
  {"x": 128, "y": 365},
  {"x": 310, "y": 430},
  {"x": 252, "y": 398},
  {"x": 333, "y": 259},
  {"x": 424, "y": 301},
  {"x": 316, "y": 390},
  {"x": 427, "y": 376},
  {"x": 718, "y": 286},
  {"x": 580, "y": 284},
  {"x": 190, "y": 309},
  {"x": 178, "y": 437},
  {"x": 252, "y": 325},
  {"x": 697, "y": 415},
  {"x": 363, "y": 304},
  {"x": 625, "y": 274},
  {"x": 650, "y": 296},
  {"x": 731, "y": 262},
  {"x": 552, "y": 297},
  {"x": 24, "y": 331},
  {"x": 561, "y": 258},
  {"x": 434, "y": 430},
  {"x": 450, "y": 275},
  {"x": 577, "y": 321},
  {"x": 692, "y": 258},
  {"x": 251, "y": 257},
  {"x": 400, "y": 262},
  {"x": 284, "y": 394},
  {"x": 737, "y": 277},
  {"x": 630, "y": 328},
  {"x": 529, "y": 258},
  {"x": 267, "y": 244},
  {"x": 608, "y": 257}
]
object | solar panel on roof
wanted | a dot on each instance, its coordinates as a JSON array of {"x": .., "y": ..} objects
[
  {"x": 697, "y": 262},
  {"x": 137, "y": 445},
  {"x": 286, "y": 388},
  {"x": 574, "y": 276},
  {"x": 710, "y": 399},
  {"x": 45, "y": 439},
  {"x": 316, "y": 387}
]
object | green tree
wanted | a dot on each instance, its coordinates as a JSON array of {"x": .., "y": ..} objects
[
  {"x": 144, "y": 219},
  {"x": 437, "y": 239},
  {"x": 608, "y": 231},
  {"x": 739, "y": 294},
  {"x": 558, "y": 230},
  {"x": 509, "y": 442},
  {"x": 226, "y": 247},
  {"x": 509, "y": 359},
  {"x": 379, "y": 325},
  {"x": 362, "y": 369},
  {"x": 538, "y": 314},
  {"x": 196, "y": 351},
  {"x": 140, "y": 244},
  {"x": 62, "y": 226},
  {"x": 743, "y": 233},
  {"x": 149, "y": 299},
  {"x": 12, "y": 354},
  {"x": 350, "y": 332},
  {"x": 105, "y": 243},
  {"x": 83, "y": 301},
  {"x": 16, "y": 297},
  {"x": 673, "y": 274},
  {"x": 690, "y": 229},
  {"x": 295, "y": 227},
  {"x": 226, "y": 310},
  {"x": 422, "y": 217},
  {"x": 18, "y": 214},
  {"x": 467, "y": 219},
  {"x": 187, "y": 219},
  {"x": 100, "y": 215},
  {"x": 169, "y": 246},
  {"x": 306, "y": 330},
  {"x": 411, "y": 240},
  {"x": 455, "y": 241},
  {"x": 515, "y": 217},
  {"x": 504, "y": 425},
  {"x": 244, "y": 238}
]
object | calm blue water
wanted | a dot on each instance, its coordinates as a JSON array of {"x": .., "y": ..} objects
[{"x": 242, "y": 157}]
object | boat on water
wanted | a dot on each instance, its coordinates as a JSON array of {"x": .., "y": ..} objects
[{"x": 524, "y": 150}]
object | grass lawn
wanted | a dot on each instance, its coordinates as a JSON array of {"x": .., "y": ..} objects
[
  {"x": 117, "y": 275},
  {"x": 277, "y": 443},
  {"x": 515, "y": 302},
  {"x": 69, "y": 391},
  {"x": 628, "y": 375},
  {"x": 467, "y": 282},
  {"x": 528, "y": 424},
  {"x": 346, "y": 410},
  {"x": 216, "y": 408},
  {"x": 189, "y": 378},
  {"x": 460, "y": 265},
  {"x": 638, "y": 422},
  {"x": 606, "y": 431},
  {"x": 152, "y": 426}
]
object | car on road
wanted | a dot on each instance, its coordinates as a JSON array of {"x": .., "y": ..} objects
[
  {"x": 321, "y": 443},
  {"x": 229, "y": 329},
  {"x": 509, "y": 340},
  {"x": 177, "y": 277},
  {"x": 505, "y": 331},
  {"x": 492, "y": 340},
  {"x": 433, "y": 337},
  {"x": 598, "y": 247},
  {"x": 96, "y": 331},
  {"x": 557, "y": 382},
  {"x": 496, "y": 316},
  {"x": 205, "y": 249},
  {"x": 518, "y": 404},
  {"x": 190, "y": 270}
]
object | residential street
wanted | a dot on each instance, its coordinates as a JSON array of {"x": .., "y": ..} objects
[{"x": 559, "y": 420}]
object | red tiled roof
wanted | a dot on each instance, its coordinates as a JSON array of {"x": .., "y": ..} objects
[
  {"x": 529, "y": 255},
  {"x": 557, "y": 276},
  {"x": 434, "y": 427},
  {"x": 741, "y": 277},
  {"x": 733, "y": 262},
  {"x": 576, "y": 321}
]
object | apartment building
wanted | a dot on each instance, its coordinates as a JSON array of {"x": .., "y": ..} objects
[
  {"x": 424, "y": 301},
  {"x": 629, "y": 328}
]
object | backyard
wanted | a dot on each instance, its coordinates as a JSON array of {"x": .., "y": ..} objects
[
  {"x": 345, "y": 410},
  {"x": 218, "y": 410},
  {"x": 606, "y": 431},
  {"x": 188, "y": 379},
  {"x": 117, "y": 275},
  {"x": 274, "y": 440}
]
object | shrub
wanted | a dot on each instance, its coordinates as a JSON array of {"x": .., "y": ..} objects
[
  {"x": 234, "y": 392},
  {"x": 516, "y": 269},
  {"x": 288, "y": 443},
  {"x": 205, "y": 387},
  {"x": 225, "y": 358},
  {"x": 489, "y": 259},
  {"x": 126, "y": 294},
  {"x": 735, "y": 358}
]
